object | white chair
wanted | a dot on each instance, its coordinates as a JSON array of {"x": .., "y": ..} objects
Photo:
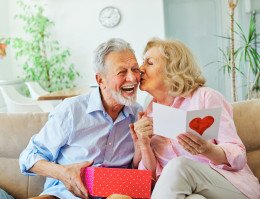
[
  {"x": 35, "y": 90},
  {"x": 16, "y": 102}
]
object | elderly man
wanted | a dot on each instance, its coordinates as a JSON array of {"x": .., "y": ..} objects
[{"x": 88, "y": 129}]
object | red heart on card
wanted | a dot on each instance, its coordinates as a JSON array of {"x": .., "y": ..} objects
[{"x": 200, "y": 125}]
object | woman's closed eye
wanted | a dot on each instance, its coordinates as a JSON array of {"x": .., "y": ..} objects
[{"x": 149, "y": 61}]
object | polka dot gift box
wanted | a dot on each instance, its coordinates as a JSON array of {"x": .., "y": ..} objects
[{"x": 102, "y": 182}]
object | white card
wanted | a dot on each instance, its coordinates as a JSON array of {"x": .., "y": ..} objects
[{"x": 170, "y": 122}]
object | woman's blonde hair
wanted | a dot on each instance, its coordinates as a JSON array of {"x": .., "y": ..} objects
[{"x": 182, "y": 72}]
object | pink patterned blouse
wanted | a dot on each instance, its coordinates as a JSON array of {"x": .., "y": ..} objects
[{"x": 237, "y": 172}]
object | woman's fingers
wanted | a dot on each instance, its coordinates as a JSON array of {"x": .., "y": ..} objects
[
  {"x": 189, "y": 144},
  {"x": 188, "y": 140},
  {"x": 145, "y": 134},
  {"x": 193, "y": 143},
  {"x": 195, "y": 138},
  {"x": 144, "y": 122},
  {"x": 146, "y": 129}
]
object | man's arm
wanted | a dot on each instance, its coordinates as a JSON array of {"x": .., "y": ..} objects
[
  {"x": 137, "y": 154},
  {"x": 69, "y": 175}
]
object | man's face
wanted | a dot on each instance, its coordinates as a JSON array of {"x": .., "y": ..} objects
[{"x": 122, "y": 77}]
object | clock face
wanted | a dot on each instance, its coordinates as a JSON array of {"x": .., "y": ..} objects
[{"x": 109, "y": 17}]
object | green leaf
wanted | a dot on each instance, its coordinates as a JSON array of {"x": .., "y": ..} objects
[{"x": 43, "y": 59}]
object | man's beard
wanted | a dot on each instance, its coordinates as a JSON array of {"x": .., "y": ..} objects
[{"x": 119, "y": 98}]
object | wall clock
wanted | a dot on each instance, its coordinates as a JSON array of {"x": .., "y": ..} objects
[{"x": 109, "y": 17}]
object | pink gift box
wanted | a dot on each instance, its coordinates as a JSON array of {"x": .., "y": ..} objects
[{"x": 102, "y": 182}]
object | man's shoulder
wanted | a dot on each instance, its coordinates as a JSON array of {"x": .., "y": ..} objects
[{"x": 73, "y": 104}]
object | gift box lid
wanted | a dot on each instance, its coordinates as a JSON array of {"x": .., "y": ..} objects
[{"x": 103, "y": 182}]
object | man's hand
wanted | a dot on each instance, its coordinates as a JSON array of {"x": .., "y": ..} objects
[{"x": 72, "y": 178}]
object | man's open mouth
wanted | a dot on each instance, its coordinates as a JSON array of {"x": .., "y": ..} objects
[{"x": 128, "y": 88}]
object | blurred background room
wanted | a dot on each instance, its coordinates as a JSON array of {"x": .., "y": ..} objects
[{"x": 52, "y": 43}]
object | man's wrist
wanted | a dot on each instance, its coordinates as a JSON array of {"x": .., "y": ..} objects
[{"x": 60, "y": 171}]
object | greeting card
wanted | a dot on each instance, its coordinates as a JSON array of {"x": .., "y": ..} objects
[{"x": 170, "y": 122}]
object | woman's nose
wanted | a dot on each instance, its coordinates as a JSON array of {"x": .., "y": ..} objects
[{"x": 142, "y": 69}]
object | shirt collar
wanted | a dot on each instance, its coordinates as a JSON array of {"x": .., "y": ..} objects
[
  {"x": 95, "y": 104},
  {"x": 128, "y": 110}
]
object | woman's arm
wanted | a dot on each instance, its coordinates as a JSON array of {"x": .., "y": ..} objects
[
  {"x": 137, "y": 155},
  {"x": 144, "y": 130},
  {"x": 228, "y": 151}
]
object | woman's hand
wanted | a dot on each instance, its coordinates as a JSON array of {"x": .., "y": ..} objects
[
  {"x": 144, "y": 130},
  {"x": 194, "y": 144},
  {"x": 141, "y": 132}
]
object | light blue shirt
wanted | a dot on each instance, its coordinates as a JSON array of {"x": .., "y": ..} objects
[{"x": 80, "y": 130}]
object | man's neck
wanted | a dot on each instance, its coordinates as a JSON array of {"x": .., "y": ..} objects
[{"x": 110, "y": 105}]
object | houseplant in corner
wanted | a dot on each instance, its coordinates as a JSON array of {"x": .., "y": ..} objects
[
  {"x": 246, "y": 57},
  {"x": 232, "y": 6},
  {"x": 42, "y": 58},
  {"x": 249, "y": 58}
]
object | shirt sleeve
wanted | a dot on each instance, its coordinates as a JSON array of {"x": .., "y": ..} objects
[
  {"x": 228, "y": 138},
  {"x": 47, "y": 143},
  {"x": 158, "y": 169}
]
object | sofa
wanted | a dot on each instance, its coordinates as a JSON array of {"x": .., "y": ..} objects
[{"x": 16, "y": 130}]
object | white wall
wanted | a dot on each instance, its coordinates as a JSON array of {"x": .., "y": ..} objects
[
  {"x": 5, "y": 64},
  {"x": 77, "y": 27}
]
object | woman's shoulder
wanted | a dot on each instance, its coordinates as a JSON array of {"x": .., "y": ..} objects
[
  {"x": 205, "y": 97},
  {"x": 207, "y": 92}
]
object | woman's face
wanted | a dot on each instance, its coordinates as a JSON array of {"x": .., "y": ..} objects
[{"x": 152, "y": 71}]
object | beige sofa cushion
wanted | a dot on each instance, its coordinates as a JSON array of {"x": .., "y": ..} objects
[
  {"x": 17, "y": 129},
  {"x": 247, "y": 121},
  {"x": 15, "y": 133}
]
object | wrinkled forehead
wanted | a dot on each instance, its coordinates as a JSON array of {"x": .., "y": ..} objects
[{"x": 124, "y": 58}]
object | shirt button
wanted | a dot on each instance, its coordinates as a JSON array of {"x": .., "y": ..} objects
[{"x": 110, "y": 143}]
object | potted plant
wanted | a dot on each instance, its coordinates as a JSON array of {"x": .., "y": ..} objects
[
  {"x": 247, "y": 58},
  {"x": 232, "y": 5},
  {"x": 42, "y": 58}
]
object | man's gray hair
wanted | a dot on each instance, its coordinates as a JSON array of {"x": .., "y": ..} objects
[{"x": 112, "y": 45}]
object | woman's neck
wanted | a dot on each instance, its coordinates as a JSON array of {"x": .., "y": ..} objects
[{"x": 163, "y": 97}]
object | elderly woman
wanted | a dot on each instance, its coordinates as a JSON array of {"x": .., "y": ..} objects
[{"x": 189, "y": 166}]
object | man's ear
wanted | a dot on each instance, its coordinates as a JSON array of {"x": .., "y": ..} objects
[{"x": 100, "y": 79}]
